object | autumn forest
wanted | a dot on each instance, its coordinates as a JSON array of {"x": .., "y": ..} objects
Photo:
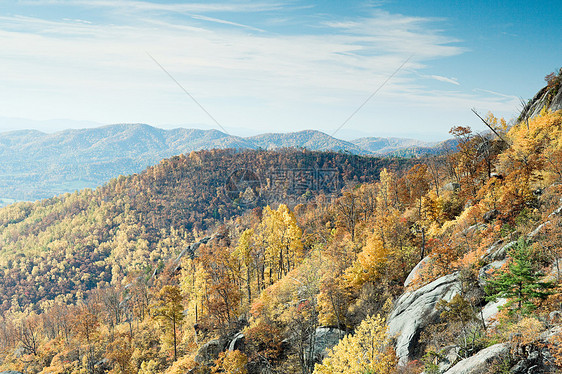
[{"x": 192, "y": 267}]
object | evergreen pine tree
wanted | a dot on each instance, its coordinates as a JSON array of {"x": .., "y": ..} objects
[{"x": 520, "y": 284}]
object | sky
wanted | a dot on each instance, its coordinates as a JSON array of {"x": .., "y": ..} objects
[{"x": 348, "y": 68}]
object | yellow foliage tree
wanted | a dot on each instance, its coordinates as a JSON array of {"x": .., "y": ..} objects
[
  {"x": 366, "y": 351},
  {"x": 532, "y": 160},
  {"x": 281, "y": 236},
  {"x": 193, "y": 283},
  {"x": 168, "y": 310},
  {"x": 370, "y": 263},
  {"x": 231, "y": 362},
  {"x": 245, "y": 253}
]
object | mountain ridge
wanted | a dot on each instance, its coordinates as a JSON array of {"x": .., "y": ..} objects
[{"x": 38, "y": 165}]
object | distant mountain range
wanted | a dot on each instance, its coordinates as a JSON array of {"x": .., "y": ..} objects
[{"x": 37, "y": 165}]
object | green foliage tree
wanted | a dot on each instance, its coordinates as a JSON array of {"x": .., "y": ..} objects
[{"x": 521, "y": 283}]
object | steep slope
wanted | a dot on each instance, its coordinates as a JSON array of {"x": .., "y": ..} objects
[
  {"x": 273, "y": 289},
  {"x": 548, "y": 98}
]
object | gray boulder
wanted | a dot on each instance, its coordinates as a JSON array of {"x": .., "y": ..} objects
[
  {"x": 209, "y": 351},
  {"x": 531, "y": 365},
  {"x": 491, "y": 310},
  {"x": 237, "y": 342},
  {"x": 449, "y": 355},
  {"x": 544, "y": 98},
  {"x": 550, "y": 334},
  {"x": 484, "y": 275},
  {"x": 493, "y": 248},
  {"x": 325, "y": 338},
  {"x": 480, "y": 362},
  {"x": 451, "y": 187},
  {"x": 558, "y": 210},
  {"x": 415, "y": 310},
  {"x": 555, "y": 269},
  {"x": 498, "y": 252},
  {"x": 538, "y": 230},
  {"x": 474, "y": 229},
  {"x": 555, "y": 317}
]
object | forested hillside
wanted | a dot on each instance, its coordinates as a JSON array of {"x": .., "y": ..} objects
[
  {"x": 445, "y": 265},
  {"x": 76, "y": 242}
]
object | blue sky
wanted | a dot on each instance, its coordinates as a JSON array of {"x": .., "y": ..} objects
[{"x": 273, "y": 66}]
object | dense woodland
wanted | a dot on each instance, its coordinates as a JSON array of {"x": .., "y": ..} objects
[
  {"x": 77, "y": 242},
  {"x": 92, "y": 281}
]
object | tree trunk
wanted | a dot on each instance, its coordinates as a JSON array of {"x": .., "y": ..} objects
[{"x": 175, "y": 341}]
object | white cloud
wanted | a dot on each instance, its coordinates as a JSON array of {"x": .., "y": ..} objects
[
  {"x": 268, "y": 81},
  {"x": 225, "y": 22},
  {"x": 148, "y": 6},
  {"x": 443, "y": 79},
  {"x": 395, "y": 33},
  {"x": 496, "y": 93}
]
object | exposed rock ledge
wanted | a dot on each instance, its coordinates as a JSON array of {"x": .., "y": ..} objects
[
  {"x": 415, "y": 310},
  {"x": 480, "y": 362}
]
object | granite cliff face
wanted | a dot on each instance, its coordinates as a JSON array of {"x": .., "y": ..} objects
[
  {"x": 550, "y": 97},
  {"x": 414, "y": 311}
]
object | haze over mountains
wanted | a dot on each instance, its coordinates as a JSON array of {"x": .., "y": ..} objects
[{"x": 38, "y": 165}]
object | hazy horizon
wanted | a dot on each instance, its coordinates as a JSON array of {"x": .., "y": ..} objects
[{"x": 60, "y": 125}]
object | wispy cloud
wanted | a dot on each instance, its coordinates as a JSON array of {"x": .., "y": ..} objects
[
  {"x": 224, "y": 22},
  {"x": 397, "y": 33},
  {"x": 443, "y": 79},
  {"x": 314, "y": 75},
  {"x": 495, "y": 93},
  {"x": 201, "y": 7}
]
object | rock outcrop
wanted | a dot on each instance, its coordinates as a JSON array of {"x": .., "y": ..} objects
[
  {"x": 498, "y": 251},
  {"x": 415, "y": 310},
  {"x": 209, "y": 351},
  {"x": 449, "y": 355},
  {"x": 491, "y": 310},
  {"x": 537, "y": 231},
  {"x": 556, "y": 212},
  {"x": 325, "y": 338},
  {"x": 237, "y": 342},
  {"x": 545, "y": 98},
  {"x": 480, "y": 362},
  {"x": 485, "y": 271}
]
